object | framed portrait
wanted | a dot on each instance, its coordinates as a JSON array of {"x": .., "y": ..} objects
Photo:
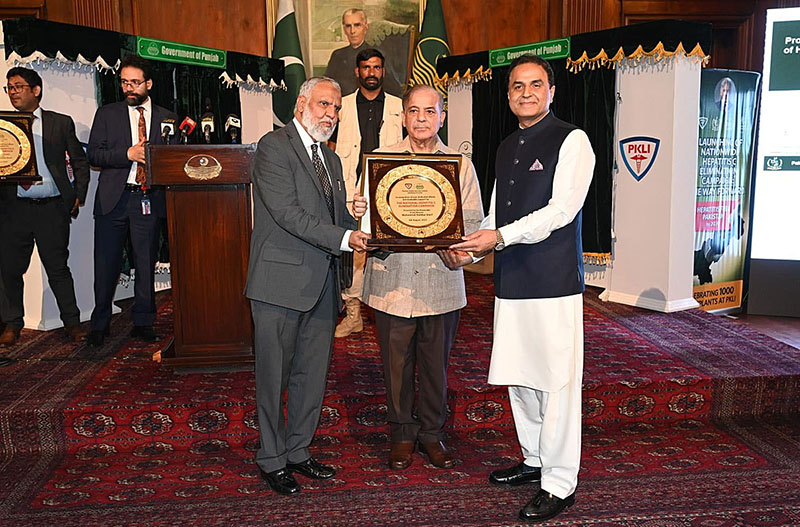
[{"x": 392, "y": 26}]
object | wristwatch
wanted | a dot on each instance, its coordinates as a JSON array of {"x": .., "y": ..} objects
[{"x": 500, "y": 243}]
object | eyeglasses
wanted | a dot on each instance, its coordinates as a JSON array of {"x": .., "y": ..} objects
[
  {"x": 15, "y": 88},
  {"x": 133, "y": 83}
]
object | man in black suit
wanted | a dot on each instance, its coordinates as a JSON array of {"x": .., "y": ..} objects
[
  {"x": 301, "y": 227},
  {"x": 125, "y": 201},
  {"x": 41, "y": 213}
]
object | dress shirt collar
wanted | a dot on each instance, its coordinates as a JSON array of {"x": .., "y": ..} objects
[
  {"x": 441, "y": 148},
  {"x": 38, "y": 113},
  {"x": 147, "y": 105},
  {"x": 545, "y": 117},
  {"x": 304, "y": 136},
  {"x": 360, "y": 99}
]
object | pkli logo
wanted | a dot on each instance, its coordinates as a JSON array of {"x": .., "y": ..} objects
[{"x": 639, "y": 153}]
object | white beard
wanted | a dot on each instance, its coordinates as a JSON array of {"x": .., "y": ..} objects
[{"x": 315, "y": 130}]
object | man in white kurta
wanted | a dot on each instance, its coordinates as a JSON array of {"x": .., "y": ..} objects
[{"x": 543, "y": 172}]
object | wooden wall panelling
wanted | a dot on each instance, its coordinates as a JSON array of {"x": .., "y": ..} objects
[
  {"x": 477, "y": 26},
  {"x": 581, "y": 16},
  {"x": 103, "y": 14},
  {"x": 236, "y": 26},
  {"x": 732, "y": 22},
  {"x": 19, "y": 8}
]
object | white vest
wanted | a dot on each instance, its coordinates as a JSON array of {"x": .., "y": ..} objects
[{"x": 348, "y": 142}]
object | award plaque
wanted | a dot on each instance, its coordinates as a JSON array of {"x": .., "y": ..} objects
[
  {"x": 17, "y": 154},
  {"x": 414, "y": 200}
]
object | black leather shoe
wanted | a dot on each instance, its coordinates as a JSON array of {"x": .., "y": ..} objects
[
  {"x": 96, "y": 338},
  {"x": 544, "y": 506},
  {"x": 516, "y": 475},
  {"x": 281, "y": 481},
  {"x": 5, "y": 361},
  {"x": 311, "y": 468},
  {"x": 145, "y": 333}
]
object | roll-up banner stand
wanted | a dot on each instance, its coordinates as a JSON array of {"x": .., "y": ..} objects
[{"x": 726, "y": 126}]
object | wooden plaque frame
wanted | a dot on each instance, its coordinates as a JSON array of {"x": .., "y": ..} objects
[
  {"x": 11, "y": 124},
  {"x": 414, "y": 200}
]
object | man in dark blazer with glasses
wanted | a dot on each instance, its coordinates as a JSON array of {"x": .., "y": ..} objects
[
  {"x": 41, "y": 213},
  {"x": 125, "y": 202}
]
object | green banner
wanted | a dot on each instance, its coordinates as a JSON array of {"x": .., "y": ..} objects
[
  {"x": 780, "y": 163},
  {"x": 286, "y": 47},
  {"x": 431, "y": 45},
  {"x": 785, "y": 61},
  {"x": 728, "y": 103},
  {"x": 154, "y": 49},
  {"x": 548, "y": 50}
]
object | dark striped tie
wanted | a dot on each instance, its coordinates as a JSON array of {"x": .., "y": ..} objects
[{"x": 324, "y": 180}]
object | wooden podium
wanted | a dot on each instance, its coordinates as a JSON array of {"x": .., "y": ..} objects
[{"x": 210, "y": 218}]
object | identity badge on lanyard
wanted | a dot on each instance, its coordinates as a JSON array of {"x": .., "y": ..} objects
[{"x": 145, "y": 204}]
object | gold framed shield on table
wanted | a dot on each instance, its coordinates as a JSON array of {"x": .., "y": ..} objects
[
  {"x": 17, "y": 151},
  {"x": 414, "y": 200}
]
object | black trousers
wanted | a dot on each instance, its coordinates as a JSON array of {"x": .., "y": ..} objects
[
  {"x": 45, "y": 223},
  {"x": 110, "y": 233},
  {"x": 423, "y": 342},
  {"x": 293, "y": 352}
]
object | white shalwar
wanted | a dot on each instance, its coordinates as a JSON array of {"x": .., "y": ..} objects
[{"x": 538, "y": 343}]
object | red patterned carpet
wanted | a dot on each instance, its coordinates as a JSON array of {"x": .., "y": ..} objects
[{"x": 689, "y": 420}]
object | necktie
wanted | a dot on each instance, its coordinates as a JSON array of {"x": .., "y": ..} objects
[
  {"x": 322, "y": 175},
  {"x": 141, "y": 172},
  {"x": 26, "y": 186}
]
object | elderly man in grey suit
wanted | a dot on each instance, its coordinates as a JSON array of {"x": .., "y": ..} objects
[
  {"x": 417, "y": 301},
  {"x": 300, "y": 228}
]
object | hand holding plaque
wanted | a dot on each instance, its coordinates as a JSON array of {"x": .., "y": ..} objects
[
  {"x": 17, "y": 154},
  {"x": 415, "y": 201}
]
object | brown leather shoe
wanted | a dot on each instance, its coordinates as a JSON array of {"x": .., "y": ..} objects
[
  {"x": 9, "y": 336},
  {"x": 75, "y": 333},
  {"x": 400, "y": 454},
  {"x": 438, "y": 454}
]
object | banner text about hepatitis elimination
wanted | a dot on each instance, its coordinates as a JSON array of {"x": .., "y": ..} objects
[{"x": 728, "y": 103}]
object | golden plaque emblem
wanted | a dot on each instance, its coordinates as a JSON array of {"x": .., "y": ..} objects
[
  {"x": 15, "y": 148},
  {"x": 202, "y": 167},
  {"x": 416, "y": 201}
]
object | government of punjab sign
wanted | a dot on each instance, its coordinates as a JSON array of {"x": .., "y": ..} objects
[
  {"x": 548, "y": 50},
  {"x": 151, "y": 48}
]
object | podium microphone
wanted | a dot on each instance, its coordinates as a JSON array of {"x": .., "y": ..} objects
[
  {"x": 186, "y": 127},
  {"x": 207, "y": 125},
  {"x": 233, "y": 125},
  {"x": 167, "y": 130}
]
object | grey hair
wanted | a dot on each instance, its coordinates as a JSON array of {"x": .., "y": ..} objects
[
  {"x": 308, "y": 86},
  {"x": 353, "y": 11},
  {"x": 422, "y": 87}
]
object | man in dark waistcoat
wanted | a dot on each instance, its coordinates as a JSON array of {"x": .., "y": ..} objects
[{"x": 543, "y": 172}]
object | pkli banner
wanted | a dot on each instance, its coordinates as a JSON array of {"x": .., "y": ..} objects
[{"x": 728, "y": 108}]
